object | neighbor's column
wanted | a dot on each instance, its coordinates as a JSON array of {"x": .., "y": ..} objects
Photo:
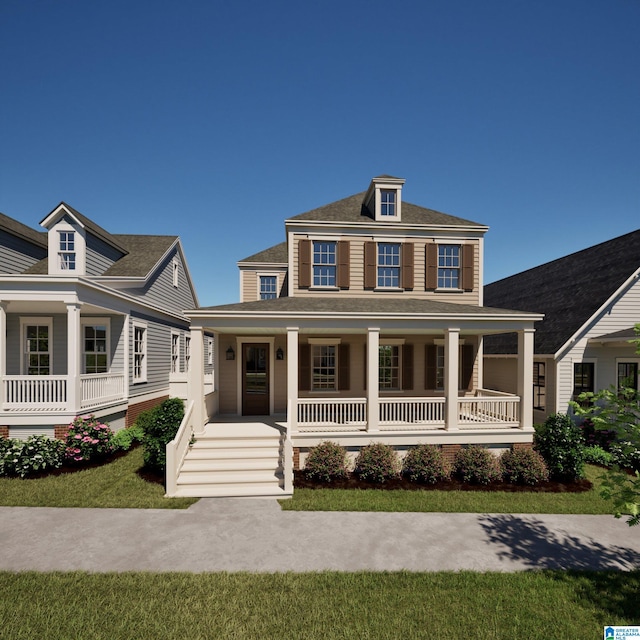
[
  {"x": 451, "y": 377},
  {"x": 74, "y": 390},
  {"x": 373, "y": 379},
  {"x": 292, "y": 378},
  {"x": 525, "y": 376}
]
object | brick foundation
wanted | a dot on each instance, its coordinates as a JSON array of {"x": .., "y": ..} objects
[
  {"x": 4, "y": 432},
  {"x": 60, "y": 431},
  {"x": 134, "y": 410},
  {"x": 521, "y": 445},
  {"x": 296, "y": 458},
  {"x": 449, "y": 451}
]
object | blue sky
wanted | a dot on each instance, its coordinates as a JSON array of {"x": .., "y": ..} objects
[{"x": 217, "y": 120}]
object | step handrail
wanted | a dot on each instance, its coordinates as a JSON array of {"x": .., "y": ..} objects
[{"x": 176, "y": 451}]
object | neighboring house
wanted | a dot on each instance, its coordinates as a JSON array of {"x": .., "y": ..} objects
[
  {"x": 365, "y": 326},
  {"x": 90, "y": 322},
  {"x": 591, "y": 301}
]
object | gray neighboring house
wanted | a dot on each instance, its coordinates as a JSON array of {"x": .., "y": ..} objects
[
  {"x": 90, "y": 322},
  {"x": 591, "y": 302}
]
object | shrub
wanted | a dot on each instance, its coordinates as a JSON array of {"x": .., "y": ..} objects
[
  {"x": 595, "y": 454},
  {"x": 25, "y": 457},
  {"x": 596, "y": 437},
  {"x": 160, "y": 426},
  {"x": 88, "y": 439},
  {"x": 626, "y": 455},
  {"x": 476, "y": 465},
  {"x": 377, "y": 463},
  {"x": 523, "y": 466},
  {"x": 326, "y": 462},
  {"x": 426, "y": 464},
  {"x": 124, "y": 439},
  {"x": 559, "y": 441}
]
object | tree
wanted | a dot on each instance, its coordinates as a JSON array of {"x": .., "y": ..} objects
[{"x": 618, "y": 410}]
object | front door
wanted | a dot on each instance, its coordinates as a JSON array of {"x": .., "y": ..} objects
[{"x": 255, "y": 379}]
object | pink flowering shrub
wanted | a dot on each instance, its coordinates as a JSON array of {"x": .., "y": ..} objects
[{"x": 88, "y": 439}]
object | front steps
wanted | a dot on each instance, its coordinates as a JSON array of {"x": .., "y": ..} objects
[{"x": 234, "y": 460}]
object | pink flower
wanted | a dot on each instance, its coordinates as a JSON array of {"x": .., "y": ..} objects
[{"x": 78, "y": 436}]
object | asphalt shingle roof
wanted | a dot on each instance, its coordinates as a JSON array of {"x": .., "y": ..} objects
[
  {"x": 23, "y": 231},
  {"x": 277, "y": 253}
]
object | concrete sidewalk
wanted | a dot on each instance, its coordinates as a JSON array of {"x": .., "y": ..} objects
[{"x": 255, "y": 535}]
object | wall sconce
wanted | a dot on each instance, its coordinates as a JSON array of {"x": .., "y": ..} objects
[
  {"x": 279, "y": 354},
  {"x": 231, "y": 354}
]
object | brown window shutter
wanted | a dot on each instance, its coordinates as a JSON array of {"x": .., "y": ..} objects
[
  {"x": 466, "y": 372},
  {"x": 304, "y": 367},
  {"x": 370, "y": 265},
  {"x": 344, "y": 264},
  {"x": 407, "y": 265},
  {"x": 304, "y": 263},
  {"x": 431, "y": 267},
  {"x": 467, "y": 267},
  {"x": 430, "y": 365},
  {"x": 407, "y": 367},
  {"x": 343, "y": 368}
]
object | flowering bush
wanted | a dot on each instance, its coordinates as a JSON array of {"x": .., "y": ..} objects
[
  {"x": 377, "y": 462},
  {"x": 88, "y": 439},
  {"x": 596, "y": 437},
  {"x": 476, "y": 465},
  {"x": 326, "y": 462},
  {"x": 523, "y": 466},
  {"x": 426, "y": 464},
  {"x": 24, "y": 457}
]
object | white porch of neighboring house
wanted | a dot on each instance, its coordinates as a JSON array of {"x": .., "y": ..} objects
[
  {"x": 61, "y": 358},
  {"x": 354, "y": 418}
]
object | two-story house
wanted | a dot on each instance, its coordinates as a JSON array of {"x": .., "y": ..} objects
[
  {"x": 365, "y": 325},
  {"x": 90, "y": 322}
]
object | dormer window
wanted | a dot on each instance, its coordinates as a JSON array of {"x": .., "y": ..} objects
[
  {"x": 387, "y": 202},
  {"x": 383, "y": 199},
  {"x": 67, "y": 250}
]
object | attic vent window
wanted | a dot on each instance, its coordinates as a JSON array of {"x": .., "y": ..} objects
[
  {"x": 67, "y": 250},
  {"x": 387, "y": 202}
]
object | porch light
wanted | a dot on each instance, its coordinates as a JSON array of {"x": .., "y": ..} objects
[
  {"x": 231, "y": 354},
  {"x": 279, "y": 354}
]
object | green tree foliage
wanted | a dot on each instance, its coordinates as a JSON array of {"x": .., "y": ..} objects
[{"x": 160, "y": 426}]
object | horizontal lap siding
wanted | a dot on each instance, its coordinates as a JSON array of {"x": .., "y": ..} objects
[
  {"x": 16, "y": 254},
  {"x": 250, "y": 282}
]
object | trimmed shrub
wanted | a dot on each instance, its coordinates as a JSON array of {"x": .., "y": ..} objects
[
  {"x": 476, "y": 465},
  {"x": 88, "y": 439},
  {"x": 25, "y": 457},
  {"x": 377, "y": 463},
  {"x": 523, "y": 466},
  {"x": 626, "y": 455},
  {"x": 597, "y": 455},
  {"x": 124, "y": 439},
  {"x": 559, "y": 441},
  {"x": 426, "y": 464},
  {"x": 326, "y": 462},
  {"x": 160, "y": 426}
]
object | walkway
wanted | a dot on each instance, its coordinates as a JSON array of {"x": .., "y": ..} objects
[{"x": 255, "y": 535}]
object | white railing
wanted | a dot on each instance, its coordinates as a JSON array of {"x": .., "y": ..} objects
[
  {"x": 482, "y": 412},
  {"x": 35, "y": 393},
  {"x": 335, "y": 414},
  {"x": 176, "y": 451},
  {"x": 99, "y": 388},
  {"x": 411, "y": 413}
]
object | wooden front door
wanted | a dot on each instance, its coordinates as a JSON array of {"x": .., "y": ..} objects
[{"x": 255, "y": 380}]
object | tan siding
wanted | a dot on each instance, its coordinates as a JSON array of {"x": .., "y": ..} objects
[
  {"x": 501, "y": 374},
  {"x": 227, "y": 375},
  {"x": 250, "y": 279},
  {"x": 280, "y": 377}
]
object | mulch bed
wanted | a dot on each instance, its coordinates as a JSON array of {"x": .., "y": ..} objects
[{"x": 352, "y": 482}]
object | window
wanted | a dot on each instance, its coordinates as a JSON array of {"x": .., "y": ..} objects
[
  {"x": 628, "y": 375},
  {"x": 175, "y": 273},
  {"x": 389, "y": 367},
  {"x": 466, "y": 360},
  {"x": 67, "y": 250},
  {"x": 440, "y": 367},
  {"x": 387, "y": 202},
  {"x": 268, "y": 287},
  {"x": 324, "y": 264},
  {"x": 175, "y": 352},
  {"x": 95, "y": 348},
  {"x": 583, "y": 377},
  {"x": 448, "y": 266},
  {"x": 210, "y": 351},
  {"x": 187, "y": 353},
  {"x": 388, "y": 265},
  {"x": 539, "y": 386},
  {"x": 323, "y": 367},
  {"x": 38, "y": 349},
  {"x": 139, "y": 353}
]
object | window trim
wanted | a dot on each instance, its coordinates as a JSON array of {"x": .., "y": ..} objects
[
  {"x": 386, "y": 205},
  {"x": 26, "y": 321},
  {"x": 543, "y": 387},
  {"x": 174, "y": 367},
  {"x": 635, "y": 361},
  {"x": 321, "y": 344},
  {"x": 187, "y": 353},
  {"x": 175, "y": 272},
  {"x": 442, "y": 245},
  {"x": 398, "y": 286},
  {"x": 209, "y": 351},
  {"x": 142, "y": 378},
  {"x": 334, "y": 244},
  {"x": 94, "y": 321},
  {"x": 439, "y": 344},
  {"x": 396, "y": 343},
  {"x": 266, "y": 274},
  {"x": 591, "y": 361}
]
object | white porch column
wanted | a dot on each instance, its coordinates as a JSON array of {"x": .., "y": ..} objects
[
  {"x": 525, "y": 376},
  {"x": 3, "y": 348},
  {"x": 373, "y": 379},
  {"x": 451, "y": 377},
  {"x": 195, "y": 379},
  {"x": 292, "y": 378},
  {"x": 74, "y": 338}
]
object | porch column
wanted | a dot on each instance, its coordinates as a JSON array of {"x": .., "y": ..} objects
[
  {"x": 451, "y": 377},
  {"x": 373, "y": 379},
  {"x": 525, "y": 376},
  {"x": 3, "y": 348},
  {"x": 292, "y": 378},
  {"x": 74, "y": 338},
  {"x": 195, "y": 379}
]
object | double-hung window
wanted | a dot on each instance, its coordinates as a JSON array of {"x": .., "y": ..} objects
[
  {"x": 583, "y": 377},
  {"x": 187, "y": 353},
  {"x": 628, "y": 375},
  {"x": 139, "y": 353},
  {"x": 324, "y": 367},
  {"x": 387, "y": 202},
  {"x": 268, "y": 287},
  {"x": 37, "y": 348},
  {"x": 324, "y": 264},
  {"x": 175, "y": 352},
  {"x": 67, "y": 250},
  {"x": 95, "y": 348},
  {"x": 539, "y": 386},
  {"x": 448, "y": 266},
  {"x": 388, "y": 265},
  {"x": 389, "y": 367}
]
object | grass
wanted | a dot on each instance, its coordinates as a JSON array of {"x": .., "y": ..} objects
[
  {"x": 116, "y": 485},
  {"x": 533, "y": 605},
  {"x": 451, "y": 501}
]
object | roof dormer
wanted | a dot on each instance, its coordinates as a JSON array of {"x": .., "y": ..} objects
[
  {"x": 384, "y": 199},
  {"x": 67, "y": 242}
]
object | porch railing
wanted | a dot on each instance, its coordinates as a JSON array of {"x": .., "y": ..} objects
[
  {"x": 411, "y": 412},
  {"x": 35, "y": 393},
  {"x": 99, "y": 388},
  {"x": 482, "y": 412},
  {"x": 338, "y": 413}
]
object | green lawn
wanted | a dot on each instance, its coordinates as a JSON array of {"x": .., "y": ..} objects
[
  {"x": 451, "y": 501},
  {"x": 115, "y": 485},
  {"x": 532, "y": 605}
]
